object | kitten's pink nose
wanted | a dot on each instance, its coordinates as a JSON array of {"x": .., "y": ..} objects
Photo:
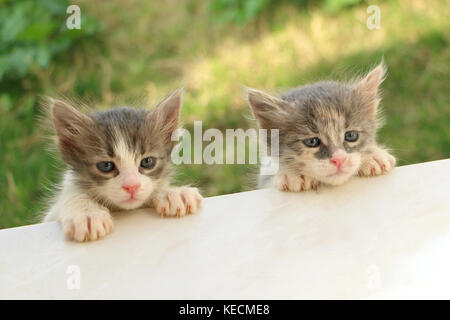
[
  {"x": 338, "y": 158},
  {"x": 131, "y": 189}
]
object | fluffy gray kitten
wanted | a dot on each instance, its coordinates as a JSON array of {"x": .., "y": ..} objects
[
  {"x": 118, "y": 159},
  {"x": 327, "y": 132}
]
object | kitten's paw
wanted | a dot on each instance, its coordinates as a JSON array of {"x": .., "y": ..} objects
[
  {"x": 178, "y": 202},
  {"x": 376, "y": 163},
  {"x": 294, "y": 183},
  {"x": 87, "y": 226}
]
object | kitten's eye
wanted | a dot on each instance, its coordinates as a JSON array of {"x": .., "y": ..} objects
[
  {"x": 106, "y": 166},
  {"x": 148, "y": 162},
  {"x": 312, "y": 142},
  {"x": 351, "y": 136}
]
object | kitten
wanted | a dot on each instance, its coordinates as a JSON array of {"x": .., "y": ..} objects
[
  {"x": 327, "y": 132},
  {"x": 118, "y": 159}
]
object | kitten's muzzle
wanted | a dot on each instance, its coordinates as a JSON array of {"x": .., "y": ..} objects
[
  {"x": 131, "y": 189},
  {"x": 338, "y": 159}
]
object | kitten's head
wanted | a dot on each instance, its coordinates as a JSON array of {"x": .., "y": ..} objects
[
  {"x": 324, "y": 128},
  {"x": 118, "y": 156}
]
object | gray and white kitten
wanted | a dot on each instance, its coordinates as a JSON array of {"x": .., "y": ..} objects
[
  {"x": 327, "y": 132},
  {"x": 118, "y": 159}
]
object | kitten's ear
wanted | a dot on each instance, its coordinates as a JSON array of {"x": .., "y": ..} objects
[
  {"x": 167, "y": 113},
  {"x": 270, "y": 112},
  {"x": 368, "y": 88},
  {"x": 69, "y": 123}
]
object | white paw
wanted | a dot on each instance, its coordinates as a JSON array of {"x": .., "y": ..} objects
[
  {"x": 294, "y": 183},
  {"x": 178, "y": 202},
  {"x": 377, "y": 163},
  {"x": 88, "y": 225}
]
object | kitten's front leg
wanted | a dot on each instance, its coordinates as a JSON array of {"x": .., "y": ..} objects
[
  {"x": 177, "y": 201},
  {"x": 81, "y": 218},
  {"x": 377, "y": 162},
  {"x": 294, "y": 183},
  {"x": 87, "y": 222}
]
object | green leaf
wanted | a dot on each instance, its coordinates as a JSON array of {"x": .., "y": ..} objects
[
  {"x": 336, "y": 5},
  {"x": 38, "y": 31}
]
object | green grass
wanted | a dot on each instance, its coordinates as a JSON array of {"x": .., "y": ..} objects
[{"x": 150, "y": 48}]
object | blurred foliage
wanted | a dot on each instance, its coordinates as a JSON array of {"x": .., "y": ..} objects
[
  {"x": 238, "y": 11},
  {"x": 32, "y": 32},
  {"x": 243, "y": 11}
]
